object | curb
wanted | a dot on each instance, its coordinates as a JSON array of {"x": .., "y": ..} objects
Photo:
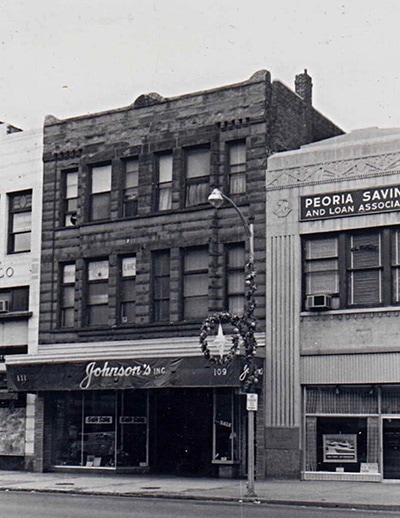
[{"x": 215, "y": 499}]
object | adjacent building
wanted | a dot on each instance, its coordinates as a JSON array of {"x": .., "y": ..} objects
[
  {"x": 134, "y": 259},
  {"x": 333, "y": 359},
  {"x": 20, "y": 214}
]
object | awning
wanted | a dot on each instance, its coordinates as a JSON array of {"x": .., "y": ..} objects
[{"x": 127, "y": 374}]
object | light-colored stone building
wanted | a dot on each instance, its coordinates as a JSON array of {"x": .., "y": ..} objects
[{"x": 333, "y": 309}]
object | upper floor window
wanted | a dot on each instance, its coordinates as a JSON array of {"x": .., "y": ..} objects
[
  {"x": 197, "y": 176},
  {"x": 67, "y": 295},
  {"x": 14, "y": 299},
  {"x": 100, "y": 199},
  {"x": 131, "y": 188},
  {"x": 128, "y": 289},
  {"x": 237, "y": 167},
  {"x": 161, "y": 286},
  {"x": 195, "y": 283},
  {"x": 70, "y": 198},
  {"x": 235, "y": 283},
  {"x": 97, "y": 292},
  {"x": 164, "y": 182},
  {"x": 20, "y": 222},
  {"x": 355, "y": 269}
]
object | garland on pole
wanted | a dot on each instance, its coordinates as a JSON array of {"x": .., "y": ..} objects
[{"x": 243, "y": 329}]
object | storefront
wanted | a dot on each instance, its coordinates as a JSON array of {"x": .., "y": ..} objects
[
  {"x": 352, "y": 432},
  {"x": 163, "y": 415}
]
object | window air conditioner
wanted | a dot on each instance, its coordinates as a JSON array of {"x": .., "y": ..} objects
[
  {"x": 4, "y": 306},
  {"x": 316, "y": 302}
]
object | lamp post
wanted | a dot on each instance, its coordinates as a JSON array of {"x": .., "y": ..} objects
[{"x": 217, "y": 199}]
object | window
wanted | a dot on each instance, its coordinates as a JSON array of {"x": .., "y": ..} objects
[
  {"x": 14, "y": 299},
  {"x": 131, "y": 192},
  {"x": 97, "y": 294},
  {"x": 195, "y": 283},
  {"x": 197, "y": 176},
  {"x": 356, "y": 269},
  {"x": 67, "y": 295},
  {"x": 100, "y": 203},
  {"x": 128, "y": 289},
  {"x": 235, "y": 288},
  {"x": 20, "y": 222},
  {"x": 71, "y": 198},
  {"x": 161, "y": 287},
  {"x": 164, "y": 185},
  {"x": 237, "y": 167}
]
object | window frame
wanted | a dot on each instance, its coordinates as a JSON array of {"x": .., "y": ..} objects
[
  {"x": 130, "y": 195},
  {"x": 234, "y": 270},
  {"x": 193, "y": 181},
  {"x": 345, "y": 269},
  {"x": 12, "y": 212},
  {"x": 124, "y": 301},
  {"x": 9, "y": 294},
  {"x": 104, "y": 195},
  {"x": 186, "y": 275},
  {"x": 64, "y": 286},
  {"x": 241, "y": 165},
  {"x": 68, "y": 214},
  {"x": 158, "y": 301},
  {"x": 89, "y": 283},
  {"x": 163, "y": 186}
]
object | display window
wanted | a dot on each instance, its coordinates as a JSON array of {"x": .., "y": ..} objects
[{"x": 107, "y": 429}]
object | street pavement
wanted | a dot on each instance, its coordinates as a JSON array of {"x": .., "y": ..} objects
[{"x": 360, "y": 495}]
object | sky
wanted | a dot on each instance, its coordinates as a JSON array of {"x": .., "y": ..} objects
[{"x": 73, "y": 57}]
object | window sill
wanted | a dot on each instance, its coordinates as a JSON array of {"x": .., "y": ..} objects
[
  {"x": 16, "y": 315},
  {"x": 352, "y": 311}
]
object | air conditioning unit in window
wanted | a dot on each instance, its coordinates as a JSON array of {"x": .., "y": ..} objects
[
  {"x": 4, "y": 306},
  {"x": 318, "y": 302}
]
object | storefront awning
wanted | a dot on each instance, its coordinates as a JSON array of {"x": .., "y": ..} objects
[{"x": 127, "y": 374}]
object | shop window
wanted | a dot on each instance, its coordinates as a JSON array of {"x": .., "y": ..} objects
[
  {"x": 226, "y": 427},
  {"x": 70, "y": 198},
  {"x": 237, "y": 167},
  {"x": 195, "y": 283},
  {"x": 128, "y": 289},
  {"x": 14, "y": 299},
  {"x": 97, "y": 293},
  {"x": 235, "y": 285},
  {"x": 20, "y": 222},
  {"x": 67, "y": 295},
  {"x": 197, "y": 176},
  {"x": 161, "y": 286},
  {"x": 164, "y": 182},
  {"x": 100, "y": 429},
  {"x": 352, "y": 269},
  {"x": 100, "y": 199},
  {"x": 131, "y": 188}
]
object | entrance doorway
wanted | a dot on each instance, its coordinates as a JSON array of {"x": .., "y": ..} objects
[
  {"x": 182, "y": 434},
  {"x": 391, "y": 448}
]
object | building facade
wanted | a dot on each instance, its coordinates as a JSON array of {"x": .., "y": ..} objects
[
  {"x": 333, "y": 393},
  {"x": 134, "y": 259},
  {"x": 20, "y": 214}
]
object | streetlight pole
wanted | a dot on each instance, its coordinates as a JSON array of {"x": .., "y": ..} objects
[{"x": 217, "y": 199}]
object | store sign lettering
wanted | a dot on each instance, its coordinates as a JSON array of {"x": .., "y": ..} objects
[
  {"x": 6, "y": 271},
  {"x": 93, "y": 370},
  {"x": 98, "y": 419},
  {"x": 246, "y": 370},
  {"x": 350, "y": 203}
]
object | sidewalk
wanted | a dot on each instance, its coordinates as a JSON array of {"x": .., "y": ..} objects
[{"x": 362, "y": 495}]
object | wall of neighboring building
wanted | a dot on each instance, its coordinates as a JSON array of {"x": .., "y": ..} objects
[
  {"x": 20, "y": 170},
  {"x": 336, "y": 346}
]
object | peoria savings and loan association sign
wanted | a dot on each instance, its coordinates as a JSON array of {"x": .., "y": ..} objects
[{"x": 350, "y": 203}]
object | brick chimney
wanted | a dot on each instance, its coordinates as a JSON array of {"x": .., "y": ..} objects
[{"x": 303, "y": 87}]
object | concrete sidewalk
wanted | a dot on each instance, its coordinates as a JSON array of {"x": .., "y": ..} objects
[{"x": 366, "y": 495}]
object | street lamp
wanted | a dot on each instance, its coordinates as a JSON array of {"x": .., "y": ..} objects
[{"x": 248, "y": 322}]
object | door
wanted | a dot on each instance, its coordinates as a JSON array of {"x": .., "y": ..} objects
[{"x": 391, "y": 448}]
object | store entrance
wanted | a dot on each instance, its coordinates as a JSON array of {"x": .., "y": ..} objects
[
  {"x": 391, "y": 448},
  {"x": 182, "y": 436}
]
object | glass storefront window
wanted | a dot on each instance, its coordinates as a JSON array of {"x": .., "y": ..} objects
[
  {"x": 106, "y": 429},
  {"x": 226, "y": 427}
]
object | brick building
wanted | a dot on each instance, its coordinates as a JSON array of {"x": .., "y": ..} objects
[
  {"x": 333, "y": 394},
  {"x": 134, "y": 259}
]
